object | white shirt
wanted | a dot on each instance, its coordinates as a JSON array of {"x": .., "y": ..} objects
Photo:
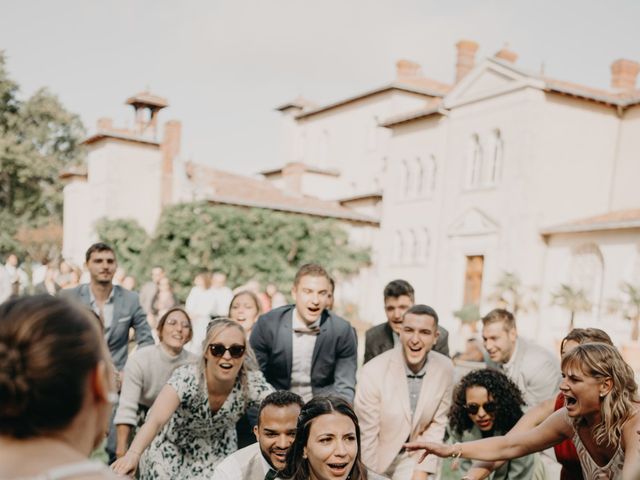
[
  {"x": 223, "y": 296},
  {"x": 508, "y": 367},
  {"x": 107, "y": 310},
  {"x": 234, "y": 466},
  {"x": 302, "y": 357}
]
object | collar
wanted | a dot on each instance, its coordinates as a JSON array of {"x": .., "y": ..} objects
[
  {"x": 512, "y": 360},
  {"x": 297, "y": 322},
  {"x": 266, "y": 464},
  {"x": 421, "y": 373},
  {"x": 92, "y": 298}
]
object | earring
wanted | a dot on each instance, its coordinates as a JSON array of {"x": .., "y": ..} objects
[{"x": 602, "y": 395}]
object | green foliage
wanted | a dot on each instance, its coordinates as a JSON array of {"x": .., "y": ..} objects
[
  {"x": 469, "y": 313},
  {"x": 244, "y": 243},
  {"x": 629, "y": 307},
  {"x": 510, "y": 293},
  {"x": 38, "y": 139},
  {"x": 128, "y": 239}
]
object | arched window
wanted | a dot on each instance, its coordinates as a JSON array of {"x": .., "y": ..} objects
[
  {"x": 418, "y": 176},
  {"x": 429, "y": 175},
  {"x": 411, "y": 256},
  {"x": 587, "y": 269},
  {"x": 495, "y": 163},
  {"x": 398, "y": 247},
  {"x": 474, "y": 172},
  {"x": 405, "y": 180},
  {"x": 424, "y": 245}
]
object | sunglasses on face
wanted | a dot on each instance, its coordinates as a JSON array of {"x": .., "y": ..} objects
[
  {"x": 474, "y": 408},
  {"x": 218, "y": 350}
]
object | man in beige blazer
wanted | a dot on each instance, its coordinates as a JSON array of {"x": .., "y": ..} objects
[{"x": 404, "y": 395}]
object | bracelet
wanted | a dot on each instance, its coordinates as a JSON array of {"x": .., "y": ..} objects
[{"x": 456, "y": 454}]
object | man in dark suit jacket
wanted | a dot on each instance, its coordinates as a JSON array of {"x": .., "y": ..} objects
[
  {"x": 399, "y": 297},
  {"x": 304, "y": 347}
]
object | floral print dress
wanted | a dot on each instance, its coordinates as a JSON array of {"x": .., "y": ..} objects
[{"x": 195, "y": 439}]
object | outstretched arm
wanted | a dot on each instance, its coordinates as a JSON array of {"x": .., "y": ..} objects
[
  {"x": 159, "y": 414},
  {"x": 631, "y": 445},
  {"x": 551, "y": 432}
]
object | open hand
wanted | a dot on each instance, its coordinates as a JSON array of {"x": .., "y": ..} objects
[
  {"x": 438, "y": 449},
  {"x": 127, "y": 464}
]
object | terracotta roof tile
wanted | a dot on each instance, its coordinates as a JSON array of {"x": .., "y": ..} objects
[{"x": 620, "y": 219}]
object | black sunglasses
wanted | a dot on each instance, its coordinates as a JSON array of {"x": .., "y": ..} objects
[
  {"x": 218, "y": 350},
  {"x": 474, "y": 408}
]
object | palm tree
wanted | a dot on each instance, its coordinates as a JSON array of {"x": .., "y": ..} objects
[
  {"x": 510, "y": 293},
  {"x": 469, "y": 314},
  {"x": 629, "y": 306},
  {"x": 573, "y": 299}
]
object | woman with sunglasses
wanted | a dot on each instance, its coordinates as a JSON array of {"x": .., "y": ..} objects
[
  {"x": 600, "y": 415},
  {"x": 191, "y": 425},
  {"x": 485, "y": 403},
  {"x": 148, "y": 370},
  {"x": 56, "y": 390}
]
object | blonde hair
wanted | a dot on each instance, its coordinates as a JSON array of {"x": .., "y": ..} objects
[
  {"x": 602, "y": 361},
  {"x": 249, "y": 362}
]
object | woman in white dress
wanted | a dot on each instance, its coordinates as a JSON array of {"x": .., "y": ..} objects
[{"x": 201, "y": 304}]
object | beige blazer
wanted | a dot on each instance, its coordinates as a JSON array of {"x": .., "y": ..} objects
[{"x": 384, "y": 411}]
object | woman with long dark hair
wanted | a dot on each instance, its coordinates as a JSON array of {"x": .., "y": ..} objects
[{"x": 327, "y": 443}]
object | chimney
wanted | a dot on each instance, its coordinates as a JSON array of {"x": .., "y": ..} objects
[
  {"x": 170, "y": 148},
  {"x": 407, "y": 69},
  {"x": 507, "y": 55},
  {"x": 292, "y": 176},
  {"x": 624, "y": 74},
  {"x": 465, "y": 60},
  {"x": 105, "y": 124}
]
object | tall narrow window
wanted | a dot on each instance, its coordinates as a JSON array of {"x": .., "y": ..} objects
[
  {"x": 424, "y": 245},
  {"x": 474, "y": 176},
  {"x": 406, "y": 180},
  {"x": 495, "y": 165},
  {"x": 587, "y": 269},
  {"x": 418, "y": 177},
  {"x": 398, "y": 247},
  {"x": 412, "y": 248},
  {"x": 429, "y": 175}
]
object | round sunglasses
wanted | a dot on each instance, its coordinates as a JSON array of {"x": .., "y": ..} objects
[
  {"x": 218, "y": 350},
  {"x": 474, "y": 408}
]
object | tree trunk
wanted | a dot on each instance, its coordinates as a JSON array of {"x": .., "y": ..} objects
[
  {"x": 573, "y": 314},
  {"x": 634, "y": 328}
]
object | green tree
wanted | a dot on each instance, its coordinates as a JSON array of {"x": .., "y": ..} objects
[
  {"x": 510, "y": 293},
  {"x": 38, "y": 139},
  {"x": 245, "y": 243},
  {"x": 572, "y": 299}
]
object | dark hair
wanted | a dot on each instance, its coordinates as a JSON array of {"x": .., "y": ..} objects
[
  {"x": 500, "y": 315},
  {"x": 311, "y": 270},
  {"x": 48, "y": 347},
  {"x": 253, "y": 296},
  {"x": 504, "y": 393},
  {"x": 280, "y": 398},
  {"x": 586, "y": 335},
  {"x": 297, "y": 467},
  {"x": 164, "y": 317},
  {"x": 397, "y": 288},
  {"x": 332, "y": 282},
  {"x": 421, "y": 309},
  {"x": 98, "y": 247}
]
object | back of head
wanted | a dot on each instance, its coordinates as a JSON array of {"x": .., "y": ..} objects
[
  {"x": 586, "y": 335},
  {"x": 48, "y": 347},
  {"x": 500, "y": 315},
  {"x": 398, "y": 288},
  {"x": 297, "y": 466}
]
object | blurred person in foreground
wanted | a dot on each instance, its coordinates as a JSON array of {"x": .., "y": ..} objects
[
  {"x": 190, "y": 427},
  {"x": 600, "y": 414},
  {"x": 327, "y": 443},
  {"x": 275, "y": 432},
  {"x": 147, "y": 371},
  {"x": 56, "y": 389}
]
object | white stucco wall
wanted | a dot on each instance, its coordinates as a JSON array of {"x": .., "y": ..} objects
[
  {"x": 625, "y": 192},
  {"x": 77, "y": 220}
]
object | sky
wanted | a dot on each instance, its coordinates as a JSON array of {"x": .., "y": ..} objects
[{"x": 225, "y": 65}]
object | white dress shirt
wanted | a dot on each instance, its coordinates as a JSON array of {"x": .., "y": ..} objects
[
  {"x": 302, "y": 354},
  {"x": 235, "y": 466}
]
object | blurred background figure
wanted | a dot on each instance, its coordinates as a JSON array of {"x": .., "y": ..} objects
[
  {"x": 245, "y": 309},
  {"x": 201, "y": 304},
  {"x": 16, "y": 274},
  {"x": 485, "y": 403},
  {"x": 64, "y": 277},
  {"x": 162, "y": 301},
  {"x": 129, "y": 283},
  {"x": 119, "y": 277},
  {"x": 147, "y": 371},
  {"x": 48, "y": 284},
  {"x": 222, "y": 293},
  {"x": 276, "y": 298},
  {"x": 56, "y": 389},
  {"x": 149, "y": 290}
]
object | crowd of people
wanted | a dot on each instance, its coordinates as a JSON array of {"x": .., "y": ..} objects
[{"x": 232, "y": 387}]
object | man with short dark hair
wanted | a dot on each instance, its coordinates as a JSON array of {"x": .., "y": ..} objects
[
  {"x": 403, "y": 395},
  {"x": 304, "y": 347},
  {"x": 399, "y": 296},
  {"x": 118, "y": 309},
  {"x": 533, "y": 368},
  {"x": 275, "y": 432}
]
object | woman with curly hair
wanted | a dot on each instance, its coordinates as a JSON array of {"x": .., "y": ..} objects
[
  {"x": 600, "y": 415},
  {"x": 485, "y": 403},
  {"x": 191, "y": 426}
]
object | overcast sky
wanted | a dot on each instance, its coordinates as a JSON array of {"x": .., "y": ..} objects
[{"x": 225, "y": 65}]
